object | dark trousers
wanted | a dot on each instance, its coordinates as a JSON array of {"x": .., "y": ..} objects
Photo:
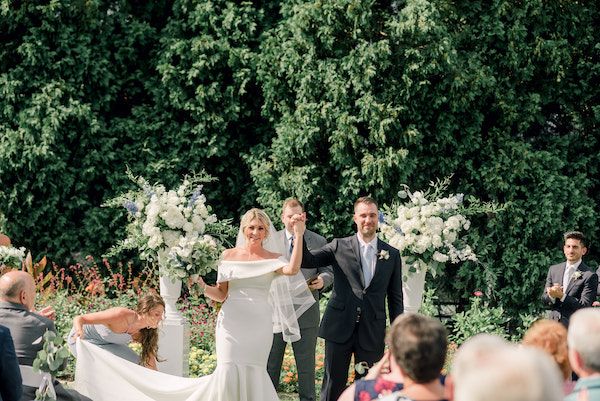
[
  {"x": 337, "y": 363},
  {"x": 304, "y": 354}
]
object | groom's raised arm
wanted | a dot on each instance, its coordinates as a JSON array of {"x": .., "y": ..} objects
[{"x": 318, "y": 257}]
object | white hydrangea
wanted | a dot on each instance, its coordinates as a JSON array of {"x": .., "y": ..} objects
[
  {"x": 427, "y": 231},
  {"x": 169, "y": 227}
]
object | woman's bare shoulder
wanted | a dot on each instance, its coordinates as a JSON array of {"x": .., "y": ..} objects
[
  {"x": 273, "y": 255},
  {"x": 232, "y": 253}
]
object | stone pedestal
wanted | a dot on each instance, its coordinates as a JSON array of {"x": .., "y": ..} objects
[
  {"x": 174, "y": 333},
  {"x": 174, "y": 348},
  {"x": 412, "y": 289}
]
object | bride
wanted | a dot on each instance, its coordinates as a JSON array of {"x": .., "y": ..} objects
[{"x": 261, "y": 293}]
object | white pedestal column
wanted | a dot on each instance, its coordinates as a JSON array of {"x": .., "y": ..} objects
[
  {"x": 412, "y": 289},
  {"x": 174, "y": 333}
]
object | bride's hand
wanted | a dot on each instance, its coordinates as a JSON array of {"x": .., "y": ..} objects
[
  {"x": 198, "y": 280},
  {"x": 298, "y": 221}
]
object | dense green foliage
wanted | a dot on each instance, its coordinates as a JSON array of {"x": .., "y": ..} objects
[{"x": 325, "y": 100}]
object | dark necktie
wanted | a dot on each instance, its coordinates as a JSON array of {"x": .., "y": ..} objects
[{"x": 291, "y": 244}]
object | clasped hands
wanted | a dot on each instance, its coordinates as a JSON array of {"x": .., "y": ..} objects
[
  {"x": 299, "y": 225},
  {"x": 556, "y": 291}
]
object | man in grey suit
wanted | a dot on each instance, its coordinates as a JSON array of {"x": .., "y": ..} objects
[
  {"x": 17, "y": 298},
  {"x": 570, "y": 285},
  {"x": 304, "y": 349}
]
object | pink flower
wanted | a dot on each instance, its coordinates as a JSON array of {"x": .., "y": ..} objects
[
  {"x": 364, "y": 396},
  {"x": 382, "y": 384},
  {"x": 478, "y": 293}
]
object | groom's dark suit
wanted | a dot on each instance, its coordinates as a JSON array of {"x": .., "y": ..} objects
[
  {"x": 355, "y": 319},
  {"x": 580, "y": 293}
]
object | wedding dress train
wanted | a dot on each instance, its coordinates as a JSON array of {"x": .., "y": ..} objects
[{"x": 244, "y": 334}]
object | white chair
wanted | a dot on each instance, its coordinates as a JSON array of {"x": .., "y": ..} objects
[{"x": 42, "y": 380}]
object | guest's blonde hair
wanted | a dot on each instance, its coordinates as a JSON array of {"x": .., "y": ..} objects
[
  {"x": 551, "y": 337},
  {"x": 260, "y": 215}
]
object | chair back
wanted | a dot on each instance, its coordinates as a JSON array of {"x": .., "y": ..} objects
[{"x": 42, "y": 380}]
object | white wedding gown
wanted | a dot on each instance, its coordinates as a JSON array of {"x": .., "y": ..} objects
[{"x": 244, "y": 335}]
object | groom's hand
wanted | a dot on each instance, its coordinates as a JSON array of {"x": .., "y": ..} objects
[{"x": 317, "y": 283}]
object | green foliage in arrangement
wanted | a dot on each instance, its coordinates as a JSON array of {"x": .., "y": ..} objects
[{"x": 324, "y": 100}]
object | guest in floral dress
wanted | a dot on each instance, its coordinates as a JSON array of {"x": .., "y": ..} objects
[{"x": 408, "y": 336}]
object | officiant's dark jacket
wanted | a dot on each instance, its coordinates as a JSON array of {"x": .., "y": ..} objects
[
  {"x": 351, "y": 303},
  {"x": 581, "y": 292}
]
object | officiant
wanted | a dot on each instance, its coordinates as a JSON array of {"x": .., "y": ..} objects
[{"x": 318, "y": 279}]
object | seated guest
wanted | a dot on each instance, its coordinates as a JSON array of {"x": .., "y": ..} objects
[
  {"x": 10, "y": 376},
  {"x": 510, "y": 374},
  {"x": 584, "y": 353},
  {"x": 113, "y": 329},
  {"x": 472, "y": 354},
  {"x": 551, "y": 337},
  {"x": 17, "y": 296},
  {"x": 418, "y": 346}
]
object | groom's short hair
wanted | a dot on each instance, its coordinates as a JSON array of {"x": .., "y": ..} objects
[
  {"x": 366, "y": 199},
  {"x": 291, "y": 202}
]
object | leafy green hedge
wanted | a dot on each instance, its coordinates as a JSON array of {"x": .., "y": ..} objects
[{"x": 325, "y": 100}]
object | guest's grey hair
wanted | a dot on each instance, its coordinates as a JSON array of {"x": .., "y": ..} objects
[
  {"x": 583, "y": 337},
  {"x": 474, "y": 352},
  {"x": 512, "y": 373}
]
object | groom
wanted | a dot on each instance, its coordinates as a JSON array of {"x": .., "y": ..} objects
[{"x": 366, "y": 271}]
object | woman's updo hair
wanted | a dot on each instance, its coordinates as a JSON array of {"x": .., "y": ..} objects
[{"x": 258, "y": 214}]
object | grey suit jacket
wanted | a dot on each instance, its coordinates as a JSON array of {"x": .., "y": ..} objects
[
  {"x": 26, "y": 329},
  {"x": 310, "y": 318},
  {"x": 580, "y": 293}
]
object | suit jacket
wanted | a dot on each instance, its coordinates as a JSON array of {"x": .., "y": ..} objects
[
  {"x": 27, "y": 329},
  {"x": 10, "y": 376},
  {"x": 311, "y": 317},
  {"x": 580, "y": 293},
  {"x": 351, "y": 300}
]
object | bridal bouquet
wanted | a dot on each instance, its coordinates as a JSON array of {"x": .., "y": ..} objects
[
  {"x": 174, "y": 229},
  {"x": 11, "y": 257},
  {"x": 427, "y": 228}
]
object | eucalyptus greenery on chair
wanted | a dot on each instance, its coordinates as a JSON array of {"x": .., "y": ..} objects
[{"x": 50, "y": 359}]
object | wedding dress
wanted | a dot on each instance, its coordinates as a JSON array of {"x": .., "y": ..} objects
[{"x": 244, "y": 334}]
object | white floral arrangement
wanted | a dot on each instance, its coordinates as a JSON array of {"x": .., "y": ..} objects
[
  {"x": 11, "y": 257},
  {"x": 427, "y": 228},
  {"x": 174, "y": 229}
]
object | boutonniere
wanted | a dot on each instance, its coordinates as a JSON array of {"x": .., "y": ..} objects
[
  {"x": 576, "y": 275},
  {"x": 383, "y": 254}
]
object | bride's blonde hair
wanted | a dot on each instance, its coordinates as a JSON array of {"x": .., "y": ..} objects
[{"x": 260, "y": 215}]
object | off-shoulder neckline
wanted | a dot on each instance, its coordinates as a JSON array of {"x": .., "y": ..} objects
[{"x": 250, "y": 261}]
